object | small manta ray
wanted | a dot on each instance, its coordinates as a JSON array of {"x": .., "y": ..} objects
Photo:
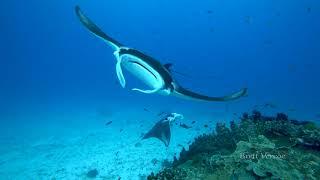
[
  {"x": 155, "y": 75},
  {"x": 161, "y": 130}
]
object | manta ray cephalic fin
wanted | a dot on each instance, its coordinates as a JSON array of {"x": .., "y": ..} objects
[
  {"x": 146, "y": 91},
  {"x": 120, "y": 74}
]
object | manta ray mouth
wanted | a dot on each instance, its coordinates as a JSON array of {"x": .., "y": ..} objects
[{"x": 135, "y": 62}]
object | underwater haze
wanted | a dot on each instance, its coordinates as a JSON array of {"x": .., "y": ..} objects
[{"x": 64, "y": 114}]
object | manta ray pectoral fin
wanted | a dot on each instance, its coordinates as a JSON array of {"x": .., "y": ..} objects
[
  {"x": 180, "y": 91},
  {"x": 120, "y": 74},
  {"x": 93, "y": 28},
  {"x": 146, "y": 91}
]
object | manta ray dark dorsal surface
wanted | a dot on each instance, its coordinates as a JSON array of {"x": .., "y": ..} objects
[
  {"x": 161, "y": 130},
  {"x": 154, "y": 73}
]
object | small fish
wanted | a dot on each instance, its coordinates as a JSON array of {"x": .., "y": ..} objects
[
  {"x": 138, "y": 145},
  {"x": 209, "y": 11},
  {"x": 248, "y": 19},
  {"x": 270, "y": 105},
  {"x": 309, "y": 9},
  {"x": 206, "y": 126},
  {"x": 185, "y": 126},
  {"x": 193, "y": 122},
  {"x": 108, "y": 123},
  {"x": 145, "y": 109},
  {"x": 180, "y": 145},
  {"x": 154, "y": 161},
  {"x": 121, "y": 130}
]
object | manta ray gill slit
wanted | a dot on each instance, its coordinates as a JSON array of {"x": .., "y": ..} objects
[{"x": 135, "y": 62}]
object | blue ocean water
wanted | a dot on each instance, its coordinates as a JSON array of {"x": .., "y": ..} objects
[{"x": 55, "y": 77}]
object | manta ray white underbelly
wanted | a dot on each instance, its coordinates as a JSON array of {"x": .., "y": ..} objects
[
  {"x": 150, "y": 71},
  {"x": 142, "y": 71}
]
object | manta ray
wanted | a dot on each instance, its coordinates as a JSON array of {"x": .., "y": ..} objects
[
  {"x": 155, "y": 75},
  {"x": 161, "y": 130}
]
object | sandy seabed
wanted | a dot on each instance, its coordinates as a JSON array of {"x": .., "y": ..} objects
[{"x": 73, "y": 149}]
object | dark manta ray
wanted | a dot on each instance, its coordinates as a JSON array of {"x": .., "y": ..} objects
[
  {"x": 154, "y": 74},
  {"x": 161, "y": 130}
]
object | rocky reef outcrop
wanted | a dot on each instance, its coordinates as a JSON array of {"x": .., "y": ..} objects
[{"x": 258, "y": 147}]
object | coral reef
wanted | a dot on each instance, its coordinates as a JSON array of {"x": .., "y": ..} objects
[
  {"x": 258, "y": 147},
  {"x": 222, "y": 142}
]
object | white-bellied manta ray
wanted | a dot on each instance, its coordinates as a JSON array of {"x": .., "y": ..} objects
[
  {"x": 155, "y": 75},
  {"x": 162, "y": 130}
]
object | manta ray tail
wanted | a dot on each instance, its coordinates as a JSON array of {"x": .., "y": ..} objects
[
  {"x": 180, "y": 91},
  {"x": 95, "y": 29}
]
